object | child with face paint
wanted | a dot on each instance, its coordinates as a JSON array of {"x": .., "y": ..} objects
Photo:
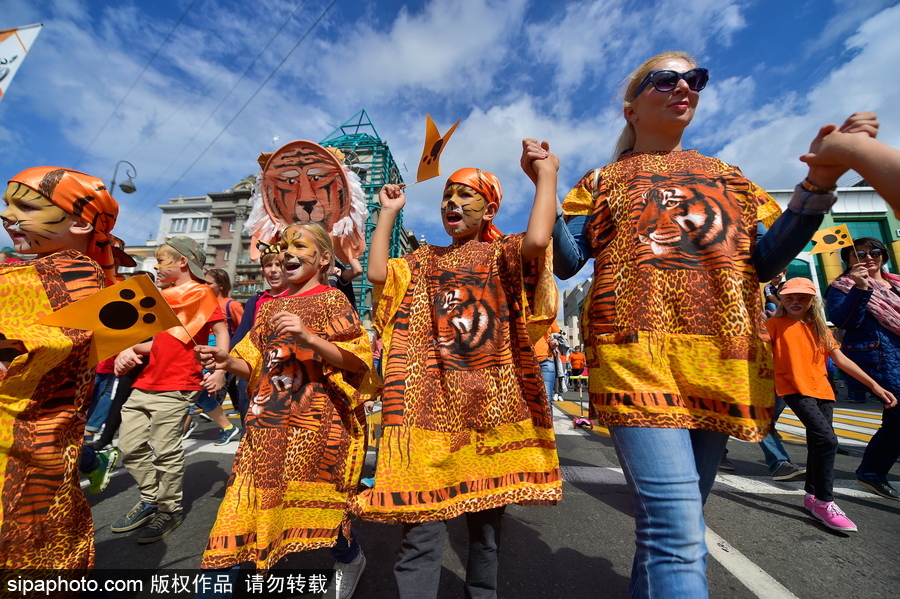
[
  {"x": 63, "y": 218},
  {"x": 466, "y": 422},
  {"x": 801, "y": 343},
  {"x": 309, "y": 362}
]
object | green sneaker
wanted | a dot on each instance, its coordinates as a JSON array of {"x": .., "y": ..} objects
[
  {"x": 100, "y": 476},
  {"x": 137, "y": 517}
]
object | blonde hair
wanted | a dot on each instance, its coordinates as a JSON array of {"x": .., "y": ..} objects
[
  {"x": 628, "y": 136},
  {"x": 167, "y": 251},
  {"x": 323, "y": 244},
  {"x": 814, "y": 316}
]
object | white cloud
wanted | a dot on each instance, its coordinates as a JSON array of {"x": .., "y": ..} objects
[
  {"x": 594, "y": 39},
  {"x": 770, "y": 141},
  {"x": 448, "y": 47}
]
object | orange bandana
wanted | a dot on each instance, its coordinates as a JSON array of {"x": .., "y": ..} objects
[
  {"x": 193, "y": 304},
  {"x": 82, "y": 196},
  {"x": 488, "y": 186}
]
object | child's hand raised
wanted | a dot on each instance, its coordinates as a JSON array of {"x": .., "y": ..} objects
[
  {"x": 533, "y": 153},
  {"x": 885, "y": 396},
  {"x": 289, "y": 323},
  {"x": 392, "y": 197}
]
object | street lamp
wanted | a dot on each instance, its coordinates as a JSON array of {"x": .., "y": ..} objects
[{"x": 128, "y": 185}]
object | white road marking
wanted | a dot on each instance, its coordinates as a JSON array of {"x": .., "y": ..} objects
[
  {"x": 751, "y": 576},
  {"x": 750, "y": 485}
]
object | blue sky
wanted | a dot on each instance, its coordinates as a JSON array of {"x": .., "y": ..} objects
[{"x": 508, "y": 68}]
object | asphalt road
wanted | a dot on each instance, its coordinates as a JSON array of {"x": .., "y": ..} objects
[{"x": 762, "y": 542}]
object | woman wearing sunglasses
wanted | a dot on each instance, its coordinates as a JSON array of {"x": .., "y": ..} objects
[
  {"x": 865, "y": 302},
  {"x": 672, "y": 322}
]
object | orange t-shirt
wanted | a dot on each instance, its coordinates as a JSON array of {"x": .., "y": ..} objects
[
  {"x": 576, "y": 360},
  {"x": 800, "y": 363},
  {"x": 541, "y": 347}
]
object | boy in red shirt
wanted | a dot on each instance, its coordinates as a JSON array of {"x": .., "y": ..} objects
[{"x": 150, "y": 436}]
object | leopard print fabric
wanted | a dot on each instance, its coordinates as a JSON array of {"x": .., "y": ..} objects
[
  {"x": 466, "y": 420},
  {"x": 673, "y": 325},
  {"x": 45, "y": 520},
  {"x": 304, "y": 446}
]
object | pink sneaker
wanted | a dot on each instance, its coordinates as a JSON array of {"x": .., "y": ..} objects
[
  {"x": 832, "y": 516},
  {"x": 809, "y": 500}
]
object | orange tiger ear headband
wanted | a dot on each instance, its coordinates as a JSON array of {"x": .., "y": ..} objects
[
  {"x": 303, "y": 181},
  {"x": 84, "y": 197}
]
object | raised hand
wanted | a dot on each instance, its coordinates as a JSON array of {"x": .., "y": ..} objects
[
  {"x": 533, "y": 152},
  {"x": 392, "y": 197}
]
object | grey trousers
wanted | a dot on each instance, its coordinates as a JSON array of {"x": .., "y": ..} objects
[{"x": 418, "y": 567}]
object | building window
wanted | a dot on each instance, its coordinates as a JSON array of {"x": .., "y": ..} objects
[
  {"x": 198, "y": 225},
  {"x": 231, "y": 225},
  {"x": 227, "y": 256},
  {"x": 178, "y": 225}
]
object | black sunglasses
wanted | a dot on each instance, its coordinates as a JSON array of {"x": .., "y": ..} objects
[
  {"x": 874, "y": 252},
  {"x": 666, "y": 80}
]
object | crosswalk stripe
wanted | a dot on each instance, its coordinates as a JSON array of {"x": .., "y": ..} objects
[{"x": 854, "y": 428}]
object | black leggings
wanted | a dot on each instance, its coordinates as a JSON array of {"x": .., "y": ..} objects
[{"x": 821, "y": 443}]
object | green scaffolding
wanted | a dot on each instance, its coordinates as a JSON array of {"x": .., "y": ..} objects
[{"x": 368, "y": 156}]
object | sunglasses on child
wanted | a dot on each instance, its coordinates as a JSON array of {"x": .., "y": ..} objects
[
  {"x": 666, "y": 80},
  {"x": 874, "y": 252}
]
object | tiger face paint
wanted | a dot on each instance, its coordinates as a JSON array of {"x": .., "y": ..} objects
[
  {"x": 301, "y": 259},
  {"x": 34, "y": 224},
  {"x": 464, "y": 212}
]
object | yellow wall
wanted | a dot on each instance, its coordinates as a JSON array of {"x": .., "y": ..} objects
[{"x": 832, "y": 265}]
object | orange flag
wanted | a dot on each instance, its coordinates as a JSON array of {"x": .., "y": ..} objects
[
  {"x": 833, "y": 238},
  {"x": 119, "y": 316},
  {"x": 193, "y": 304},
  {"x": 429, "y": 164}
]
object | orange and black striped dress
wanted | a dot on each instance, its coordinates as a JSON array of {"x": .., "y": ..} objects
[
  {"x": 45, "y": 520},
  {"x": 304, "y": 444},
  {"x": 466, "y": 420}
]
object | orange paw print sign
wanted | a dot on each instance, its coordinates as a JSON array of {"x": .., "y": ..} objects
[
  {"x": 831, "y": 239},
  {"x": 119, "y": 316},
  {"x": 429, "y": 164}
]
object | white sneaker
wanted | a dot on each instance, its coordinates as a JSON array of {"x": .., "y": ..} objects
[{"x": 346, "y": 576}]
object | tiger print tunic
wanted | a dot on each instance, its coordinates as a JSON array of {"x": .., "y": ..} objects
[
  {"x": 45, "y": 520},
  {"x": 466, "y": 423},
  {"x": 673, "y": 322},
  {"x": 304, "y": 443}
]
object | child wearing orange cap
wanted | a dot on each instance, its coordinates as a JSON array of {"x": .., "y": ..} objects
[
  {"x": 801, "y": 344},
  {"x": 467, "y": 427},
  {"x": 64, "y": 218}
]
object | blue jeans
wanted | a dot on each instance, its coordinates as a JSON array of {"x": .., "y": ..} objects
[
  {"x": 100, "y": 401},
  {"x": 548, "y": 371},
  {"x": 670, "y": 473},
  {"x": 771, "y": 446}
]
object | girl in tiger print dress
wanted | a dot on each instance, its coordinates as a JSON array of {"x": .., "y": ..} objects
[
  {"x": 672, "y": 325},
  {"x": 309, "y": 364}
]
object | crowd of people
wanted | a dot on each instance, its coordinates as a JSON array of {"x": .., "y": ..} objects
[{"x": 677, "y": 354}]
